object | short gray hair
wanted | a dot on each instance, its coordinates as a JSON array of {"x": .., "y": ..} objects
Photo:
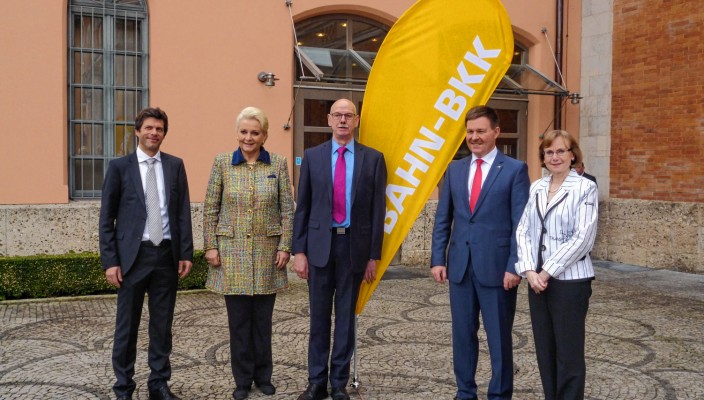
[{"x": 255, "y": 114}]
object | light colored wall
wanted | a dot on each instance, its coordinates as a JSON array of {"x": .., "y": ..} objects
[
  {"x": 595, "y": 131},
  {"x": 203, "y": 66},
  {"x": 653, "y": 234},
  {"x": 33, "y": 126},
  {"x": 204, "y": 62}
]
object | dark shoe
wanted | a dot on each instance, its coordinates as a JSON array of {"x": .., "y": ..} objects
[
  {"x": 124, "y": 398},
  {"x": 266, "y": 387},
  {"x": 314, "y": 392},
  {"x": 162, "y": 393},
  {"x": 339, "y": 393},
  {"x": 241, "y": 392}
]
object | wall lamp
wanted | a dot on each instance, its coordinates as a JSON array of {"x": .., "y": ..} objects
[
  {"x": 268, "y": 78},
  {"x": 575, "y": 98}
]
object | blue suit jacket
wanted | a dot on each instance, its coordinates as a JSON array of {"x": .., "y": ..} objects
[
  {"x": 123, "y": 212},
  {"x": 487, "y": 236},
  {"x": 312, "y": 220}
]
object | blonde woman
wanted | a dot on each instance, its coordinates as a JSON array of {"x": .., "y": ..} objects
[{"x": 247, "y": 229}]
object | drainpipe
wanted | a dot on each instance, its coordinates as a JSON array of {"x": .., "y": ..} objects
[{"x": 558, "y": 57}]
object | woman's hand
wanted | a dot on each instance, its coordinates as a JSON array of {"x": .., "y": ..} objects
[
  {"x": 537, "y": 282},
  {"x": 282, "y": 258},
  {"x": 212, "y": 256}
]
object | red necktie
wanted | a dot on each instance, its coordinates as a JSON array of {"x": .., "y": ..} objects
[
  {"x": 339, "y": 206},
  {"x": 476, "y": 185}
]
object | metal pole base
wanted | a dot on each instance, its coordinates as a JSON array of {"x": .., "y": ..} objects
[{"x": 355, "y": 383}]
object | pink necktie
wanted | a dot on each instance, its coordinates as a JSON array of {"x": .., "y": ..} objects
[
  {"x": 476, "y": 185},
  {"x": 339, "y": 207}
]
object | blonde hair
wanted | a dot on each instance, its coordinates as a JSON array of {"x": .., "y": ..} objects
[{"x": 255, "y": 114}]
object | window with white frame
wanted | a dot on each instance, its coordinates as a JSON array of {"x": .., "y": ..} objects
[{"x": 108, "y": 85}]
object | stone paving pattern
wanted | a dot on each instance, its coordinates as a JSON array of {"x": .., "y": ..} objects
[{"x": 645, "y": 340}]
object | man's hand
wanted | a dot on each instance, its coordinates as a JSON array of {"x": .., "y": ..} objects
[
  {"x": 282, "y": 258},
  {"x": 370, "y": 273},
  {"x": 300, "y": 265},
  {"x": 511, "y": 280},
  {"x": 184, "y": 267},
  {"x": 439, "y": 273},
  {"x": 212, "y": 256},
  {"x": 114, "y": 275}
]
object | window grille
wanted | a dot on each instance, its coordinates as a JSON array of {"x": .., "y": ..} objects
[{"x": 108, "y": 85}]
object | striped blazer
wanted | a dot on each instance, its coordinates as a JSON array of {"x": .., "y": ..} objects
[{"x": 570, "y": 222}]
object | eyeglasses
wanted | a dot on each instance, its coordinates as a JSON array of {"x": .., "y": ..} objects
[
  {"x": 559, "y": 153},
  {"x": 338, "y": 116}
]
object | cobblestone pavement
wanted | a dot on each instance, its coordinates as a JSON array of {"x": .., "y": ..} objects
[{"x": 645, "y": 340}]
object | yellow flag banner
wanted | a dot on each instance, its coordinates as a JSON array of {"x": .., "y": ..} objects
[{"x": 441, "y": 58}]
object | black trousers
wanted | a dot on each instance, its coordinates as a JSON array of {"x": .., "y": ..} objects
[
  {"x": 334, "y": 284},
  {"x": 558, "y": 317},
  {"x": 249, "y": 320},
  {"x": 153, "y": 273}
]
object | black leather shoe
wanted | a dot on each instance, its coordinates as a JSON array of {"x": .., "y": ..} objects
[
  {"x": 314, "y": 392},
  {"x": 162, "y": 393},
  {"x": 241, "y": 392},
  {"x": 266, "y": 387},
  {"x": 339, "y": 393}
]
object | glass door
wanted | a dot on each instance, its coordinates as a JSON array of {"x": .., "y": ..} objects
[{"x": 311, "y": 120}]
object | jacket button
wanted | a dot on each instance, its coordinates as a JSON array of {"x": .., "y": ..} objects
[
  {"x": 545, "y": 230},
  {"x": 542, "y": 247}
]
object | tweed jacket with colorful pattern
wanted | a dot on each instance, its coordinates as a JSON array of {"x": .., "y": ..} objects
[{"x": 247, "y": 216}]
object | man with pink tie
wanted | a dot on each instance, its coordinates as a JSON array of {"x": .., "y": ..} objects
[{"x": 338, "y": 229}]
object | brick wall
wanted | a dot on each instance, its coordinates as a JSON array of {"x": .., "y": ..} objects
[{"x": 657, "y": 138}]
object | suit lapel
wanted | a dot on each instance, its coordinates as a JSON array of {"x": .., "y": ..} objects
[
  {"x": 358, "y": 161},
  {"x": 496, "y": 167},
  {"x": 466, "y": 163},
  {"x": 166, "y": 168},
  {"x": 136, "y": 177},
  {"x": 326, "y": 155}
]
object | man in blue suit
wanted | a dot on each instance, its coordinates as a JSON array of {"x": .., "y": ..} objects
[
  {"x": 146, "y": 244},
  {"x": 338, "y": 228},
  {"x": 481, "y": 201}
]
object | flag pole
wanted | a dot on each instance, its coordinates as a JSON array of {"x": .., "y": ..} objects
[{"x": 355, "y": 375}]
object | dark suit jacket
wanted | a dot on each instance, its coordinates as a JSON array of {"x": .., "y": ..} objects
[
  {"x": 588, "y": 176},
  {"x": 123, "y": 213},
  {"x": 487, "y": 236},
  {"x": 313, "y": 217}
]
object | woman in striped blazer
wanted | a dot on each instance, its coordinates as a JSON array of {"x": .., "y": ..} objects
[
  {"x": 554, "y": 236},
  {"x": 247, "y": 232}
]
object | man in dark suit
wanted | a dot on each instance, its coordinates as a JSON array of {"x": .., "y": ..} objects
[
  {"x": 481, "y": 202},
  {"x": 338, "y": 230},
  {"x": 146, "y": 243},
  {"x": 580, "y": 170}
]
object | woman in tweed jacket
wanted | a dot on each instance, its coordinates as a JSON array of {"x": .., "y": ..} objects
[{"x": 247, "y": 229}]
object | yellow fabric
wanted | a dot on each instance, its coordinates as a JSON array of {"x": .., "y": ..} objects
[{"x": 441, "y": 58}]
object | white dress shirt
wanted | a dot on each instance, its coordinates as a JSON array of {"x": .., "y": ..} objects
[
  {"x": 570, "y": 220},
  {"x": 486, "y": 166},
  {"x": 142, "y": 157}
]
